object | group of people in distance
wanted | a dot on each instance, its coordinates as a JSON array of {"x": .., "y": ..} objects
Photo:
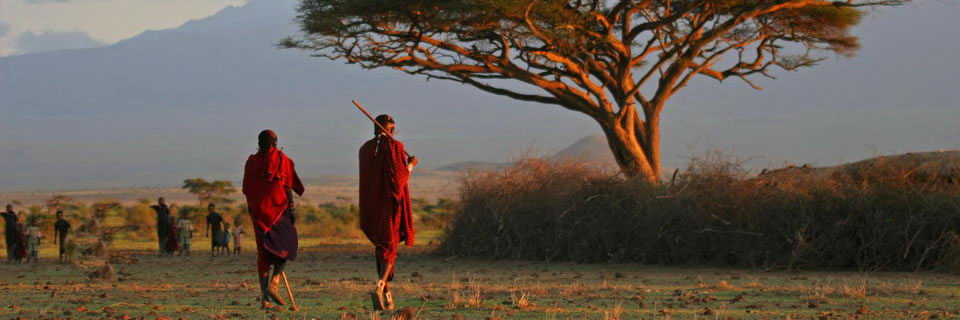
[
  {"x": 23, "y": 240},
  {"x": 175, "y": 236},
  {"x": 270, "y": 180}
]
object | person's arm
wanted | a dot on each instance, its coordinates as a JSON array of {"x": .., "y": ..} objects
[
  {"x": 291, "y": 205},
  {"x": 206, "y": 230},
  {"x": 412, "y": 162},
  {"x": 397, "y": 168},
  {"x": 244, "y": 183},
  {"x": 56, "y": 233}
]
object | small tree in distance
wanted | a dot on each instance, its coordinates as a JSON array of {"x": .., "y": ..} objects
[
  {"x": 207, "y": 191},
  {"x": 617, "y": 61}
]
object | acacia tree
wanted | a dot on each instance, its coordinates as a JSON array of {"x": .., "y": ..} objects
[
  {"x": 618, "y": 62},
  {"x": 207, "y": 191}
]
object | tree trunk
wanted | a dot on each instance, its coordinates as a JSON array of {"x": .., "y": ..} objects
[{"x": 635, "y": 145}]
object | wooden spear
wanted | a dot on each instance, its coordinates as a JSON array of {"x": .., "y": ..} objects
[
  {"x": 382, "y": 129},
  {"x": 289, "y": 291}
]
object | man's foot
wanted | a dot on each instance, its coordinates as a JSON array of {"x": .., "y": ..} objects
[
  {"x": 273, "y": 290},
  {"x": 375, "y": 299},
  {"x": 377, "y": 296},
  {"x": 388, "y": 297}
]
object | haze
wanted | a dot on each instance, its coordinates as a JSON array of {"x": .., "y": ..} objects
[{"x": 89, "y": 101}]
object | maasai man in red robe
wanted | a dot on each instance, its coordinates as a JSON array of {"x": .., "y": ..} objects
[
  {"x": 269, "y": 181},
  {"x": 385, "y": 214}
]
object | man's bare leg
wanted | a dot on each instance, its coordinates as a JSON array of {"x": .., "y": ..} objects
[
  {"x": 385, "y": 277},
  {"x": 274, "y": 286},
  {"x": 264, "y": 296}
]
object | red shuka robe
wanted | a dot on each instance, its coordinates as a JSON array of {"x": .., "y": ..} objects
[
  {"x": 385, "y": 214},
  {"x": 266, "y": 178},
  {"x": 172, "y": 239}
]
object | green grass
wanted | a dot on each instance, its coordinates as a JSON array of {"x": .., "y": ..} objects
[{"x": 332, "y": 278}]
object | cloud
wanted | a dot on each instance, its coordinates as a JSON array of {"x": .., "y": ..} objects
[
  {"x": 4, "y": 28},
  {"x": 51, "y": 40},
  {"x": 47, "y": 1}
]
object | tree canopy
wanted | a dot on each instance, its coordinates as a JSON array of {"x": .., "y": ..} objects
[
  {"x": 209, "y": 192},
  {"x": 618, "y": 62}
]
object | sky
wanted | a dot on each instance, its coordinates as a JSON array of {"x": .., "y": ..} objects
[
  {"x": 29, "y": 26},
  {"x": 156, "y": 108}
]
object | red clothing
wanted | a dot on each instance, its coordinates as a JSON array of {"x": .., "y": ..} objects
[
  {"x": 385, "y": 214},
  {"x": 20, "y": 247},
  {"x": 266, "y": 179},
  {"x": 172, "y": 244}
]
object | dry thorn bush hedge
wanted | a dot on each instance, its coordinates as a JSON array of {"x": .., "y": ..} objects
[{"x": 879, "y": 215}]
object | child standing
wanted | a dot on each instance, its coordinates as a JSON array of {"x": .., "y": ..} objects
[
  {"x": 224, "y": 240},
  {"x": 33, "y": 240},
  {"x": 184, "y": 233},
  {"x": 236, "y": 232}
]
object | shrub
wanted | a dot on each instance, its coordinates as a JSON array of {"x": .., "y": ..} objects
[
  {"x": 143, "y": 219},
  {"x": 712, "y": 213},
  {"x": 328, "y": 220},
  {"x": 433, "y": 216}
]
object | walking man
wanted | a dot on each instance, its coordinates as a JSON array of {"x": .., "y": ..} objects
[
  {"x": 10, "y": 232},
  {"x": 215, "y": 227},
  {"x": 163, "y": 224},
  {"x": 60, "y": 230},
  {"x": 385, "y": 214},
  {"x": 269, "y": 181}
]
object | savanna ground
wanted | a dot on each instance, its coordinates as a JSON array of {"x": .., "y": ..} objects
[{"x": 332, "y": 278}]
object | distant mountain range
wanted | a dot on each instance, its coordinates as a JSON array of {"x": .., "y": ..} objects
[
  {"x": 189, "y": 101},
  {"x": 592, "y": 149}
]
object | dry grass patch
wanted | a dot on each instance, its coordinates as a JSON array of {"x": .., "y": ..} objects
[
  {"x": 852, "y": 288},
  {"x": 338, "y": 285},
  {"x": 723, "y": 285},
  {"x": 465, "y": 296}
]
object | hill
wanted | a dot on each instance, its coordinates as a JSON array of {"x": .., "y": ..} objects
[
  {"x": 942, "y": 166},
  {"x": 471, "y": 165},
  {"x": 593, "y": 149},
  {"x": 188, "y": 102}
]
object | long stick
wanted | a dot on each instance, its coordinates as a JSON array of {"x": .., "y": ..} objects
[
  {"x": 382, "y": 129},
  {"x": 289, "y": 291}
]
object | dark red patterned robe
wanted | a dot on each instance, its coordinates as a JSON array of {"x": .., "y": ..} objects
[
  {"x": 266, "y": 178},
  {"x": 172, "y": 240},
  {"x": 385, "y": 215}
]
